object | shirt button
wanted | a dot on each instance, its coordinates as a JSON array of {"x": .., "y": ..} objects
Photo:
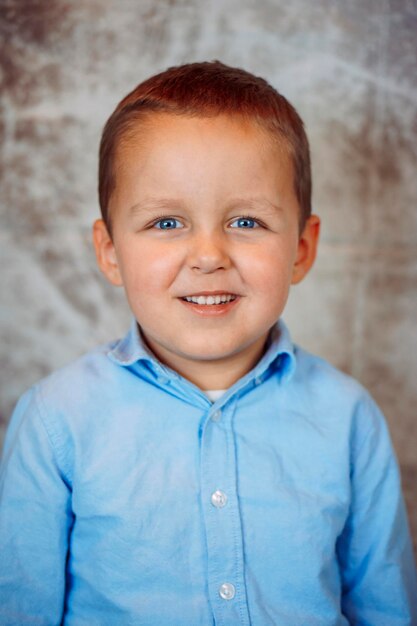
[
  {"x": 258, "y": 380},
  {"x": 218, "y": 499},
  {"x": 227, "y": 591},
  {"x": 216, "y": 416}
]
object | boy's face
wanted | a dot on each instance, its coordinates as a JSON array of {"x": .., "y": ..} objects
[{"x": 205, "y": 209}]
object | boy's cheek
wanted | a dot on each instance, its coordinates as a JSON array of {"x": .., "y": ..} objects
[{"x": 156, "y": 270}]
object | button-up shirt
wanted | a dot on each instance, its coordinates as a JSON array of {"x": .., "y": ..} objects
[{"x": 128, "y": 497}]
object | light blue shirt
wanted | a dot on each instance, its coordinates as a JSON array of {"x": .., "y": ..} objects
[{"x": 128, "y": 498}]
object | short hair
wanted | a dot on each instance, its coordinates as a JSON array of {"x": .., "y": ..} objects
[{"x": 207, "y": 89}]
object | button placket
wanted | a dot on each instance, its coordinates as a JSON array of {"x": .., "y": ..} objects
[{"x": 222, "y": 519}]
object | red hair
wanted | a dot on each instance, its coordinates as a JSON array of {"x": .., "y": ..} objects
[{"x": 207, "y": 89}]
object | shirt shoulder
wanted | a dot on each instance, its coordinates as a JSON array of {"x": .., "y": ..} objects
[
  {"x": 333, "y": 395},
  {"x": 93, "y": 366},
  {"x": 73, "y": 392},
  {"x": 68, "y": 405},
  {"x": 319, "y": 374}
]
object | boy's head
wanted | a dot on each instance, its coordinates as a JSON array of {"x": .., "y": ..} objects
[
  {"x": 206, "y": 215},
  {"x": 204, "y": 90}
]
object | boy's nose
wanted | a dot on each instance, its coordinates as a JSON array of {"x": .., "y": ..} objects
[{"x": 208, "y": 253}]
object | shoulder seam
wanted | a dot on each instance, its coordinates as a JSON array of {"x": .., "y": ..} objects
[
  {"x": 53, "y": 437},
  {"x": 377, "y": 418}
]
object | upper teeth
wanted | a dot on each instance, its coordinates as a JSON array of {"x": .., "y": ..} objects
[{"x": 210, "y": 299}]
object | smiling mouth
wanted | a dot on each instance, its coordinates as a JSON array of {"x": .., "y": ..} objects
[{"x": 211, "y": 300}]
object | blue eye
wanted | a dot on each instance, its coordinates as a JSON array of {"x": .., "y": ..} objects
[
  {"x": 245, "y": 222},
  {"x": 168, "y": 223}
]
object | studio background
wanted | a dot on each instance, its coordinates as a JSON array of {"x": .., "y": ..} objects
[{"x": 350, "y": 70}]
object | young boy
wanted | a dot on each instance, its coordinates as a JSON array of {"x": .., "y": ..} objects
[{"x": 203, "y": 470}]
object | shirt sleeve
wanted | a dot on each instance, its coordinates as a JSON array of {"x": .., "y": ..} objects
[
  {"x": 375, "y": 552},
  {"x": 35, "y": 522}
]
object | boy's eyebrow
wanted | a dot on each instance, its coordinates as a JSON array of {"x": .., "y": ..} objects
[
  {"x": 150, "y": 204},
  {"x": 256, "y": 202}
]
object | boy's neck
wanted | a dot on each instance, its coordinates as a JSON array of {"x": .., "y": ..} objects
[{"x": 211, "y": 374}]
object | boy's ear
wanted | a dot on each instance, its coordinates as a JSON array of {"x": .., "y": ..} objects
[
  {"x": 106, "y": 253},
  {"x": 307, "y": 249}
]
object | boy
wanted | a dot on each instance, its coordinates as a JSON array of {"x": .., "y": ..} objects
[{"x": 203, "y": 470}]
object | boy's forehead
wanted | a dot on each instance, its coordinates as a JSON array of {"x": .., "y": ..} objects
[
  {"x": 170, "y": 136},
  {"x": 229, "y": 137},
  {"x": 150, "y": 126},
  {"x": 198, "y": 138}
]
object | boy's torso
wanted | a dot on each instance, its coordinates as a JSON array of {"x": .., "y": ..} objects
[{"x": 184, "y": 511}]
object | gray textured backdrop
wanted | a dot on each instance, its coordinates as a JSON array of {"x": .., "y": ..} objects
[{"x": 349, "y": 68}]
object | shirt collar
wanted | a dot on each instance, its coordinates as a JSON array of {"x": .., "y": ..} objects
[
  {"x": 279, "y": 353},
  {"x": 131, "y": 348}
]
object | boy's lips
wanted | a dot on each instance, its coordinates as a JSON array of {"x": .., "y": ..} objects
[{"x": 209, "y": 303}]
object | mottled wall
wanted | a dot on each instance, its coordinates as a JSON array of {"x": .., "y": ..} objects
[{"x": 350, "y": 69}]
